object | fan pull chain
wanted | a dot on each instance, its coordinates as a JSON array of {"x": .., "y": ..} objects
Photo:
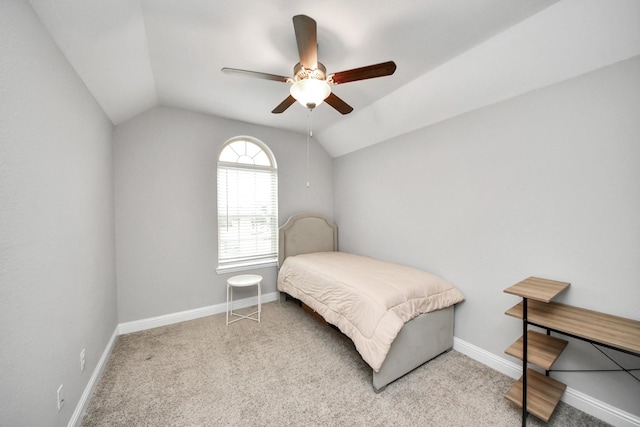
[{"x": 309, "y": 135}]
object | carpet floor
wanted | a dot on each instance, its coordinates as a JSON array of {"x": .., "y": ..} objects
[{"x": 290, "y": 370}]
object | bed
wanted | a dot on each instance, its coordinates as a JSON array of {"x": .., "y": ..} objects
[{"x": 398, "y": 317}]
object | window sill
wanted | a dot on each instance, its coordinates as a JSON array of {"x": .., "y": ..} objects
[{"x": 251, "y": 265}]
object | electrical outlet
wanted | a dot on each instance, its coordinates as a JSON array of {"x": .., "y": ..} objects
[
  {"x": 60, "y": 398},
  {"x": 82, "y": 360}
]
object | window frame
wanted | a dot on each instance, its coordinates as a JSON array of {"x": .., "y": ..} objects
[{"x": 241, "y": 166}]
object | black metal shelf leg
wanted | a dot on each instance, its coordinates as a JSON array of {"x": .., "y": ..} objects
[{"x": 525, "y": 339}]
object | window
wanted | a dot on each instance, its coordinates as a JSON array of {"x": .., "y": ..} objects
[{"x": 247, "y": 205}]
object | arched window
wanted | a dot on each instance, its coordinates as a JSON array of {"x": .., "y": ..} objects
[{"x": 247, "y": 204}]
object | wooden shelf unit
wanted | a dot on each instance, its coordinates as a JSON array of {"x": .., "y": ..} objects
[
  {"x": 538, "y": 309},
  {"x": 542, "y": 393}
]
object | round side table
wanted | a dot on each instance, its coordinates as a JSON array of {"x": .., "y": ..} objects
[{"x": 243, "y": 281}]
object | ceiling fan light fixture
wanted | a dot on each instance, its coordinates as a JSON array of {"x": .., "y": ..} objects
[
  {"x": 310, "y": 92},
  {"x": 311, "y": 85}
]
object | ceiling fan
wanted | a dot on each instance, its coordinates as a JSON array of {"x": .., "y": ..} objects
[{"x": 310, "y": 82}]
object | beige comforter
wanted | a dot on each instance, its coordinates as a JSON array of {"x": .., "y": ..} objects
[{"x": 369, "y": 300}]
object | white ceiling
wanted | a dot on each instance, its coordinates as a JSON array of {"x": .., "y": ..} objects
[{"x": 453, "y": 56}]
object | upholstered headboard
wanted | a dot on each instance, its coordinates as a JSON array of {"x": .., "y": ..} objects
[{"x": 305, "y": 233}]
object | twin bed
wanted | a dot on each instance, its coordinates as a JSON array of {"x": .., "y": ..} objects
[{"x": 398, "y": 317}]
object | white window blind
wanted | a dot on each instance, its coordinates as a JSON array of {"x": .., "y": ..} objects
[{"x": 247, "y": 213}]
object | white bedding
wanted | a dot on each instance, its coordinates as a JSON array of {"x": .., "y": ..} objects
[{"x": 368, "y": 299}]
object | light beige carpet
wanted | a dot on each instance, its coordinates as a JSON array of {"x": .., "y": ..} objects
[{"x": 290, "y": 370}]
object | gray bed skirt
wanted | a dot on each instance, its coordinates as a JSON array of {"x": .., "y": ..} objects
[{"x": 419, "y": 341}]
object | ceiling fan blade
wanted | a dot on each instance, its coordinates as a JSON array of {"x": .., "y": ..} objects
[
  {"x": 256, "y": 74},
  {"x": 284, "y": 105},
  {"x": 338, "y": 104},
  {"x": 362, "y": 73},
  {"x": 306, "y": 37}
]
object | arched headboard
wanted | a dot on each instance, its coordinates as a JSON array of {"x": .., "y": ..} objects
[{"x": 306, "y": 233}]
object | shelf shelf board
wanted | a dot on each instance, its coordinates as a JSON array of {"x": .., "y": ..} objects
[
  {"x": 537, "y": 289},
  {"x": 542, "y": 350},
  {"x": 614, "y": 331},
  {"x": 543, "y": 394}
]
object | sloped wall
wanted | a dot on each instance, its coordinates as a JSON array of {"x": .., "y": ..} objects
[
  {"x": 57, "y": 272},
  {"x": 545, "y": 184}
]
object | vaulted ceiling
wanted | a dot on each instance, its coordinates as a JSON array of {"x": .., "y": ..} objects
[{"x": 453, "y": 56}]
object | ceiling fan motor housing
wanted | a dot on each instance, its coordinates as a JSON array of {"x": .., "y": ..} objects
[{"x": 301, "y": 73}]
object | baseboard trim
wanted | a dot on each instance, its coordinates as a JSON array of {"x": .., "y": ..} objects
[
  {"x": 575, "y": 398},
  {"x": 83, "y": 403},
  {"x": 196, "y": 313},
  {"x": 500, "y": 364}
]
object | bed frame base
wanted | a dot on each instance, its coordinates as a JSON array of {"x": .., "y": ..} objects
[{"x": 410, "y": 349}]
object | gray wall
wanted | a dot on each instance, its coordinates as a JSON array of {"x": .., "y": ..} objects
[
  {"x": 166, "y": 218},
  {"x": 545, "y": 184},
  {"x": 57, "y": 277}
]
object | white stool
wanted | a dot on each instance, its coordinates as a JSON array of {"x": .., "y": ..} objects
[{"x": 243, "y": 281}]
